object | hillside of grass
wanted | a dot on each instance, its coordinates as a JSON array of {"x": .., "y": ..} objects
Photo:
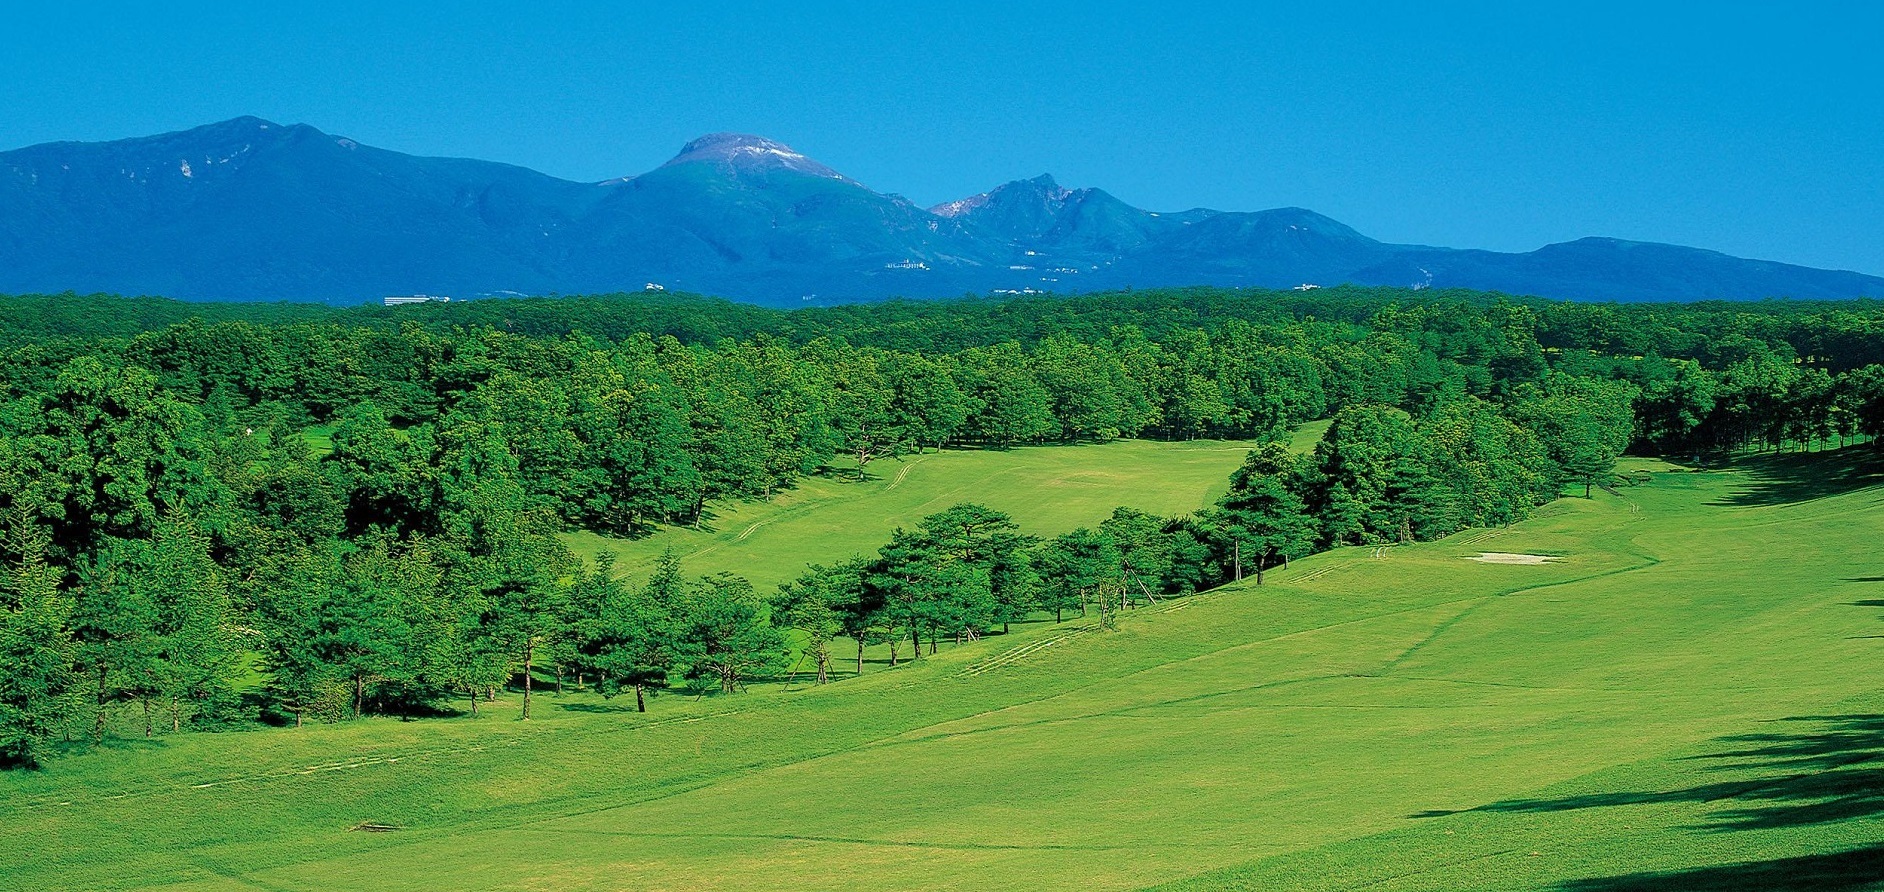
[
  {"x": 1679, "y": 698},
  {"x": 1047, "y": 490}
]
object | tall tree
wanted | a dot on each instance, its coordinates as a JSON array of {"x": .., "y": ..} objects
[
  {"x": 726, "y": 634},
  {"x": 819, "y": 603},
  {"x": 629, "y": 636},
  {"x": 1082, "y": 568},
  {"x": 1263, "y": 513},
  {"x": 36, "y": 647}
]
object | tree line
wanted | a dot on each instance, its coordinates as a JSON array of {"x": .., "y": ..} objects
[{"x": 367, "y": 508}]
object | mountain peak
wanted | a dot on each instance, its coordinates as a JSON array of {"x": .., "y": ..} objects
[
  {"x": 1043, "y": 189},
  {"x": 245, "y": 128},
  {"x": 743, "y": 151},
  {"x": 242, "y": 122}
]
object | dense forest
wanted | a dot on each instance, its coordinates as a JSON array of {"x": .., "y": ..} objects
[{"x": 218, "y": 515}]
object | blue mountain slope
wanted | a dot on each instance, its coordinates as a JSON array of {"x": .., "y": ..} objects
[
  {"x": 252, "y": 210},
  {"x": 1618, "y": 270},
  {"x": 740, "y": 215}
]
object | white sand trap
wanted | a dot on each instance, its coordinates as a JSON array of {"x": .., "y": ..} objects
[{"x": 1506, "y": 557}]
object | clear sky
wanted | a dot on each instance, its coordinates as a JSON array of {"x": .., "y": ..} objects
[{"x": 1755, "y": 129}]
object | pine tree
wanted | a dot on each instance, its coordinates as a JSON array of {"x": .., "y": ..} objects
[{"x": 36, "y": 647}]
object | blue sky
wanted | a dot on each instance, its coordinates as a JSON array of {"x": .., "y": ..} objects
[{"x": 1752, "y": 129}]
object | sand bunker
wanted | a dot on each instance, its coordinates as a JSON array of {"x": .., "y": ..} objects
[{"x": 1506, "y": 557}]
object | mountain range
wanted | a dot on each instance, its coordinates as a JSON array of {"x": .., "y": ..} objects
[{"x": 252, "y": 210}]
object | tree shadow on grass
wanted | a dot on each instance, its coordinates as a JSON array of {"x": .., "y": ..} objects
[
  {"x": 1787, "y": 478},
  {"x": 112, "y": 743},
  {"x": 1809, "y": 771},
  {"x": 1849, "y": 871},
  {"x": 707, "y": 522},
  {"x": 1818, "y": 770},
  {"x": 1866, "y": 602},
  {"x": 600, "y": 708}
]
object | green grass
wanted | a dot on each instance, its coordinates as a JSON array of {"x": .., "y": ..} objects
[
  {"x": 1306, "y": 435},
  {"x": 320, "y": 438},
  {"x": 1685, "y": 701},
  {"x": 1047, "y": 490}
]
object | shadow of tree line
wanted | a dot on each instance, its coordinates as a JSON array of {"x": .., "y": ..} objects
[
  {"x": 1786, "y": 478},
  {"x": 1820, "y": 770},
  {"x": 1849, "y": 871}
]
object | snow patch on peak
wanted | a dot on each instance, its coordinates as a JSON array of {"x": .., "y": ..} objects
[
  {"x": 959, "y": 206},
  {"x": 243, "y": 122},
  {"x": 729, "y": 144},
  {"x": 1044, "y": 186},
  {"x": 743, "y": 151}
]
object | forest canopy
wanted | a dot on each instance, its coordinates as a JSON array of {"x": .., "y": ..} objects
[{"x": 364, "y": 505}]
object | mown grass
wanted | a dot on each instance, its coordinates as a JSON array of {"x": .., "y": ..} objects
[
  {"x": 320, "y": 438},
  {"x": 1047, "y": 490},
  {"x": 1684, "y": 701}
]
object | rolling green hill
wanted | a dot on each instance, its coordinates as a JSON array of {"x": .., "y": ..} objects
[
  {"x": 1046, "y": 490},
  {"x": 1680, "y": 697}
]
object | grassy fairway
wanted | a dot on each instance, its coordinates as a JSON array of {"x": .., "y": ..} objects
[
  {"x": 1682, "y": 701},
  {"x": 320, "y": 438},
  {"x": 1046, "y": 490}
]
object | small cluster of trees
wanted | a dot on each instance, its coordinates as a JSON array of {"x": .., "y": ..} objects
[
  {"x": 959, "y": 573},
  {"x": 1379, "y": 475},
  {"x": 1382, "y": 476}
]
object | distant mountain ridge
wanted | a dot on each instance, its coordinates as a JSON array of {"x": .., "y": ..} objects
[{"x": 248, "y": 209}]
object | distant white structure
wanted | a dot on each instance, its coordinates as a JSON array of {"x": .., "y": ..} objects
[
  {"x": 415, "y": 299},
  {"x": 1307, "y": 286},
  {"x": 654, "y": 286},
  {"x": 907, "y": 264}
]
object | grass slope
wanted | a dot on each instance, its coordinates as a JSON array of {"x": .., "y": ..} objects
[
  {"x": 1680, "y": 702},
  {"x": 1047, "y": 490}
]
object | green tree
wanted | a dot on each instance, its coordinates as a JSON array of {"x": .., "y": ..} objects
[
  {"x": 1015, "y": 408},
  {"x": 1081, "y": 568},
  {"x": 528, "y": 610},
  {"x": 864, "y": 419},
  {"x": 291, "y": 616},
  {"x": 1584, "y": 424},
  {"x": 36, "y": 647},
  {"x": 468, "y": 658},
  {"x": 1145, "y": 559},
  {"x": 821, "y": 603},
  {"x": 628, "y": 637},
  {"x": 725, "y": 633},
  {"x": 115, "y": 625},
  {"x": 365, "y": 630},
  {"x": 1263, "y": 513},
  {"x": 196, "y": 647},
  {"x": 927, "y": 398}
]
